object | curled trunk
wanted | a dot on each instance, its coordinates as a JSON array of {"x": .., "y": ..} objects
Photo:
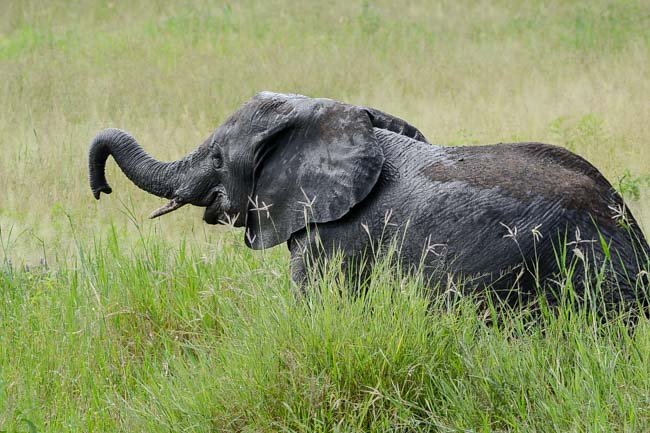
[{"x": 156, "y": 177}]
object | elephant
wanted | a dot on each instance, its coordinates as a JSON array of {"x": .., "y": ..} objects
[{"x": 328, "y": 177}]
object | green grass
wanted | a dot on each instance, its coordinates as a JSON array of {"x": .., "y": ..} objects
[
  {"x": 212, "y": 338},
  {"x": 111, "y": 322}
]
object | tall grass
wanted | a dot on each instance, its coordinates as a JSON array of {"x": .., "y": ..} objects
[
  {"x": 212, "y": 338},
  {"x": 110, "y": 322}
]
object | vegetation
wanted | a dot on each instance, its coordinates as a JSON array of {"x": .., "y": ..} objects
[{"x": 111, "y": 322}]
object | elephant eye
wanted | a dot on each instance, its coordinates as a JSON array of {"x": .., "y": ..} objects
[{"x": 217, "y": 160}]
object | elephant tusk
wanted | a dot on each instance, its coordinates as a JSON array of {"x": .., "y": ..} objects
[{"x": 169, "y": 207}]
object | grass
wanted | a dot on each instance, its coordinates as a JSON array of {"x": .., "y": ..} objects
[
  {"x": 211, "y": 338},
  {"x": 111, "y": 322}
]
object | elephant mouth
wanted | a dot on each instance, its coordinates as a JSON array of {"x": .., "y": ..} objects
[
  {"x": 217, "y": 211},
  {"x": 212, "y": 216}
]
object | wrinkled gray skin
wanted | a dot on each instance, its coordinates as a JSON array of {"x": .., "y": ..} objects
[{"x": 322, "y": 175}]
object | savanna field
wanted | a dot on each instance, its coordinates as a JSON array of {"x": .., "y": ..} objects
[{"x": 113, "y": 322}]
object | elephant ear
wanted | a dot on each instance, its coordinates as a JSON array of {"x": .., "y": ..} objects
[
  {"x": 382, "y": 120},
  {"x": 320, "y": 160}
]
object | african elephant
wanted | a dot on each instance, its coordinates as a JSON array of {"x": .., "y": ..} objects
[{"x": 327, "y": 176}]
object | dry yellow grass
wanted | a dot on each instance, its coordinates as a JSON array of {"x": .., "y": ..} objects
[{"x": 574, "y": 74}]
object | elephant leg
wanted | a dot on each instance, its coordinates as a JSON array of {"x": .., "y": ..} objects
[
  {"x": 310, "y": 261},
  {"x": 298, "y": 269},
  {"x": 305, "y": 252}
]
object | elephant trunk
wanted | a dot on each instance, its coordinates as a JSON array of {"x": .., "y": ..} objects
[{"x": 159, "y": 178}]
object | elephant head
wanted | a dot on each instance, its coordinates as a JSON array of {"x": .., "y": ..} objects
[{"x": 279, "y": 163}]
